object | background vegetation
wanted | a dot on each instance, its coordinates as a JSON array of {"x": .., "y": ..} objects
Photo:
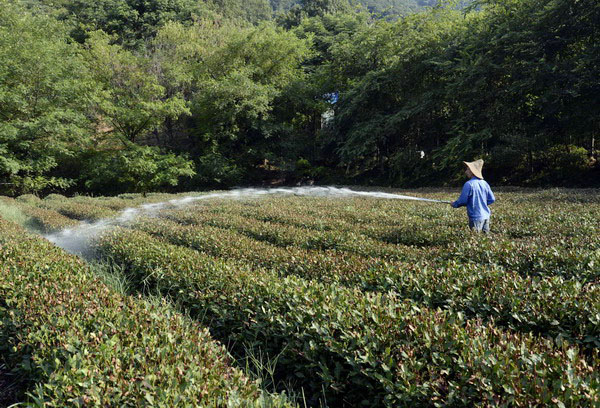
[{"x": 122, "y": 95}]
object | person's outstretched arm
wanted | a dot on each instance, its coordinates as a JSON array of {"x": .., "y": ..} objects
[
  {"x": 464, "y": 195},
  {"x": 491, "y": 199}
]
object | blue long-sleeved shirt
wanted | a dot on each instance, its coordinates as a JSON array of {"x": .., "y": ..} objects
[{"x": 476, "y": 195}]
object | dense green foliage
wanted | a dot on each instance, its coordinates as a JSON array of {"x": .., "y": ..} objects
[
  {"x": 418, "y": 264},
  {"x": 244, "y": 95},
  {"x": 367, "y": 302},
  {"x": 380, "y": 302},
  {"x": 75, "y": 342},
  {"x": 44, "y": 91},
  {"x": 132, "y": 22},
  {"x": 391, "y": 8},
  {"x": 492, "y": 84},
  {"x": 62, "y": 103},
  {"x": 350, "y": 340}
]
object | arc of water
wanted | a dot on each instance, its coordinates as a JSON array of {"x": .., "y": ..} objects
[{"x": 78, "y": 239}]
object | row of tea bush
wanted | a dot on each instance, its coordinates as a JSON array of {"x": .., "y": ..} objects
[
  {"x": 73, "y": 341},
  {"x": 358, "y": 348}
]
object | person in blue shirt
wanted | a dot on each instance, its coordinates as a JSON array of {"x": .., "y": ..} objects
[{"x": 476, "y": 195}]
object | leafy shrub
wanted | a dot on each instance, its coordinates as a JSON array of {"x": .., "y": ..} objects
[
  {"x": 82, "y": 344},
  {"x": 29, "y": 198},
  {"x": 550, "y": 306},
  {"x": 216, "y": 170},
  {"x": 36, "y": 218},
  {"x": 140, "y": 169},
  {"x": 560, "y": 165},
  {"x": 372, "y": 349},
  {"x": 383, "y": 302},
  {"x": 54, "y": 196},
  {"x": 11, "y": 212},
  {"x": 77, "y": 210}
]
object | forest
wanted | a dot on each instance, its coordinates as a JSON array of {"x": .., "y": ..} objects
[{"x": 112, "y": 96}]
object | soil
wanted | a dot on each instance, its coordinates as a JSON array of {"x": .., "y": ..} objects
[{"x": 9, "y": 388}]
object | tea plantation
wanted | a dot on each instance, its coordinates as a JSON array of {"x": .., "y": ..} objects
[{"x": 287, "y": 300}]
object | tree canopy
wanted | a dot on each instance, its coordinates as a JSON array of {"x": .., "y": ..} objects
[{"x": 229, "y": 92}]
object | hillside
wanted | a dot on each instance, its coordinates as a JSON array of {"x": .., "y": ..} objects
[
  {"x": 385, "y": 7},
  {"x": 123, "y": 96}
]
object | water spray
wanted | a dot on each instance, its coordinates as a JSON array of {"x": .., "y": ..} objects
[
  {"x": 395, "y": 196},
  {"x": 78, "y": 239}
]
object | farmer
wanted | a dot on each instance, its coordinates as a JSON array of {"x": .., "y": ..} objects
[{"x": 476, "y": 195}]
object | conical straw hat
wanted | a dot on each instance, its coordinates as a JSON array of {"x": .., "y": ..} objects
[{"x": 475, "y": 167}]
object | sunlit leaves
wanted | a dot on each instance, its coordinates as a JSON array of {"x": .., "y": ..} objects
[
  {"x": 272, "y": 273},
  {"x": 76, "y": 339}
]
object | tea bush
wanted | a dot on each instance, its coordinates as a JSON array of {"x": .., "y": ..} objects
[
  {"x": 360, "y": 349},
  {"x": 327, "y": 265},
  {"x": 564, "y": 241},
  {"x": 36, "y": 218},
  {"x": 357, "y": 301},
  {"x": 77, "y": 210},
  {"x": 29, "y": 198},
  {"x": 80, "y": 344},
  {"x": 287, "y": 236},
  {"x": 550, "y": 306}
]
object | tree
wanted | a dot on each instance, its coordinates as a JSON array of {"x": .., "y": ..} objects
[
  {"x": 253, "y": 11},
  {"x": 131, "y": 23},
  {"x": 311, "y": 8},
  {"x": 174, "y": 55},
  {"x": 527, "y": 84},
  {"x": 132, "y": 102},
  {"x": 45, "y": 94},
  {"x": 513, "y": 83},
  {"x": 393, "y": 104},
  {"x": 238, "y": 82},
  {"x": 314, "y": 8},
  {"x": 139, "y": 169}
]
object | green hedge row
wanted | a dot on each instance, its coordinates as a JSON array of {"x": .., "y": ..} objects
[
  {"x": 369, "y": 217},
  {"x": 360, "y": 349},
  {"x": 559, "y": 238},
  {"x": 81, "y": 344},
  {"x": 326, "y": 266},
  {"x": 127, "y": 200},
  {"x": 550, "y": 306},
  {"x": 571, "y": 254},
  {"x": 40, "y": 219},
  {"x": 578, "y": 261},
  {"x": 78, "y": 210},
  {"x": 287, "y": 236}
]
